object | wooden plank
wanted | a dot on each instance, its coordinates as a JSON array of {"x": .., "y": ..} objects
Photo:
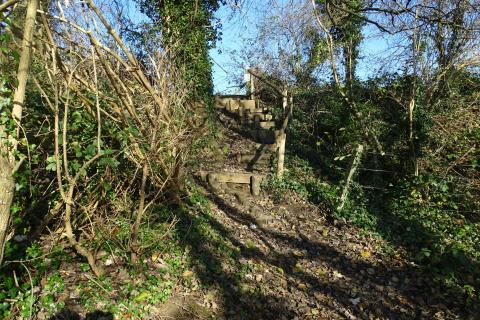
[
  {"x": 234, "y": 96},
  {"x": 266, "y": 124},
  {"x": 223, "y": 177},
  {"x": 221, "y": 101},
  {"x": 233, "y": 105},
  {"x": 247, "y": 104},
  {"x": 261, "y": 116},
  {"x": 247, "y": 157},
  {"x": 259, "y": 110}
]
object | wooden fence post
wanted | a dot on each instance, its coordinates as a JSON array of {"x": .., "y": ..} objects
[{"x": 282, "y": 136}]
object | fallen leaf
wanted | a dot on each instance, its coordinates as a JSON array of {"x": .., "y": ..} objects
[
  {"x": 366, "y": 254},
  {"x": 402, "y": 300},
  {"x": 298, "y": 267},
  {"x": 337, "y": 274},
  {"x": 155, "y": 256},
  {"x": 302, "y": 286},
  {"x": 298, "y": 253},
  {"x": 187, "y": 274},
  {"x": 322, "y": 272}
]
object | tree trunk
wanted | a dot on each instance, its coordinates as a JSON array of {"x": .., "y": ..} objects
[
  {"x": 140, "y": 212},
  {"x": 7, "y": 149},
  {"x": 353, "y": 168},
  {"x": 7, "y": 185},
  {"x": 411, "y": 104}
]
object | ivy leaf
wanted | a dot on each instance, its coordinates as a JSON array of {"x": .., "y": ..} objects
[
  {"x": 91, "y": 151},
  {"x": 142, "y": 296},
  {"x": 112, "y": 162}
]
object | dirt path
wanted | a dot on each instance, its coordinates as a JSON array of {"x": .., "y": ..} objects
[{"x": 293, "y": 262}]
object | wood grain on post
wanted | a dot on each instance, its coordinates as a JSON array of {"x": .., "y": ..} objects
[
  {"x": 213, "y": 182},
  {"x": 282, "y": 137},
  {"x": 255, "y": 185},
  {"x": 233, "y": 105}
]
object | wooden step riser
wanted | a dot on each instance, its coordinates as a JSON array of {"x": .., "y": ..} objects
[
  {"x": 257, "y": 117},
  {"x": 247, "y": 158},
  {"x": 268, "y": 147},
  {"x": 224, "y": 177},
  {"x": 264, "y": 136},
  {"x": 215, "y": 179},
  {"x": 235, "y": 104},
  {"x": 266, "y": 124}
]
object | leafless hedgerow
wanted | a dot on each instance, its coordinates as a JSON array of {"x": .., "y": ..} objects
[{"x": 87, "y": 64}]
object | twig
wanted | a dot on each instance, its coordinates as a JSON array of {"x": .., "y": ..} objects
[
  {"x": 29, "y": 260},
  {"x": 31, "y": 289},
  {"x": 7, "y": 4},
  {"x": 109, "y": 293}
]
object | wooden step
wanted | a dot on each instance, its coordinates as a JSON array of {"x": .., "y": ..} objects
[
  {"x": 266, "y": 124},
  {"x": 234, "y": 104},
  {"x": 259, "y": 116},
  {"x": 248, "y": 104},
  {"x": 234, "y": 177},
  {"x": 220, "y": 102},
  {"x": 268, "y": 147},
  {"x": 214, "y": 179},
  {"x": 264, "y": 136},
  {"x": 260, "y": 110},
  {"x": 248, "y": 157}
]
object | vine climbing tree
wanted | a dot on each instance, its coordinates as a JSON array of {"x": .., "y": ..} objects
[{"x": 189, "y": 29}]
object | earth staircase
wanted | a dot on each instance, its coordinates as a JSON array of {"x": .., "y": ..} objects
[{"x": 253, "y": 120}]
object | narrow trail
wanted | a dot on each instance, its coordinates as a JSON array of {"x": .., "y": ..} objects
[{"x": 293, "y": 261}]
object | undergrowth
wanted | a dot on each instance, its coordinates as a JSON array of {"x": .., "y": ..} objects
[
  {"x": 411, "y": 215},
  {"x": 182, "y": 246}
]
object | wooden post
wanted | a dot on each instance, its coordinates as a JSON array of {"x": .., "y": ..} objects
[
  {"x": 281, "y": 155},
  {"x": 255, "y": 185},
  {"x": 282, "y": 137},
  {"x": 252, "y": 87},
  {"x": 241, "y": 115}
]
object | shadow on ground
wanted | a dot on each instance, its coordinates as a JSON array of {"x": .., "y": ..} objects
[
  {"x": 326, "y": 279},
  {"x": 72, "y": 315}
]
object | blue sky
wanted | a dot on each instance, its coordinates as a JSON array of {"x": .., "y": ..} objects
[
  {"x": 235, "y": 27},
  {"x": 242, "y": 25}
]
